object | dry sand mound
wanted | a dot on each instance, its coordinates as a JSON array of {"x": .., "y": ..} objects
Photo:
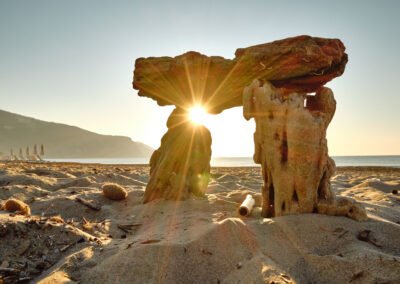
[
  {"x": 20, "y": 179},
  {"x": 293, "y": 248},
  {"x": 49, "y": 173},
  {"x": 386, "y": 187},
  {"x": 119, "y": 179},
  {"x": 31, "y": 245},
  {"x": 201, "y": 240},
  {"x": 25, "y": 193},
  {"x": 78, "y": 182}
]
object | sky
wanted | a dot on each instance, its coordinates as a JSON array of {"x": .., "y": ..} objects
[{"x": 72, "y": 62}]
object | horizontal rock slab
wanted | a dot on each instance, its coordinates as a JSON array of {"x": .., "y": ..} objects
[{"x": 298, "y": 64}]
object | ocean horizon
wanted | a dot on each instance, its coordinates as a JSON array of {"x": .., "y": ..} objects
[{"x": 341, "y": 161}]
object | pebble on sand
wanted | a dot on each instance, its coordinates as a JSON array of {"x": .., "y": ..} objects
[
  {"x": 17, "y": 205},
  {"x": 114, "y": 191}
]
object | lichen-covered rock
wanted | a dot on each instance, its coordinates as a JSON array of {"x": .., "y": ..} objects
[
  {"x": 114, "y": 191},
  {"x": 301, "y": 63},
  {"x": 14, "y": 205},
  {"x": 291, "y": 146},
  {"x": 182, "y": 163}
]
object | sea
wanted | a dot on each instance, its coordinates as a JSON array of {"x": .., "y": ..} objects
[{"x": 341, "y": 161}]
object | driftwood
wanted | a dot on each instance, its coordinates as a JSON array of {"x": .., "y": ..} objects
[
  {"x": 298, "y": 64},
  {"x": 89, "y": 203}
]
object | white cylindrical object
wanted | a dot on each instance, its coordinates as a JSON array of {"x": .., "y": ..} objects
[{"x": 247, "y": 206}]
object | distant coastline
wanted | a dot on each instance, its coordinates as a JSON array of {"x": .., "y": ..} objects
[
  {"x": 341, "y": 161},
  {"x": 20, "y": 134}
]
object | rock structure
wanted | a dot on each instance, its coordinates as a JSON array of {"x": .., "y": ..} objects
[
  {"x": 182, "y": 163},
  {"x": 291, "y": 147},
  {"x": 291, "y": 125},
  {"x": 300, "y": 63}
]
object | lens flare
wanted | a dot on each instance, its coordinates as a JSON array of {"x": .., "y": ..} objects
[{"x": 198, "y": 115}]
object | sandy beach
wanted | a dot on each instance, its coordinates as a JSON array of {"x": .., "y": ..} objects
[
  {"x": 75, "y": 234},
  {"x": 199, "y": 142}
]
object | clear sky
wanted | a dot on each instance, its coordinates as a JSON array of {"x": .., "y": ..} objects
[{"x": 72, "y": 62}]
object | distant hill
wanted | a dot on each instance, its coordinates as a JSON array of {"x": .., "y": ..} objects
[{"x": 64, "y": 141}]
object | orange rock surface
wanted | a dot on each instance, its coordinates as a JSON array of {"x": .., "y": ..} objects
[{"x": 298, "y": 64}]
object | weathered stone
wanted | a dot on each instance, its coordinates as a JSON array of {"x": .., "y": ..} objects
[
  {"x": 182, "y": 163},
  {"x": 13, "y": 204},
  {"x": 298, "y": 64},
  {"x": 114, "y": 191},
  {"x": 291, "y": 147},
  {"x": 291, "y": 125}
]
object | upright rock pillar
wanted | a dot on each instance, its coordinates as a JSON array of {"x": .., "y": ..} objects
[
  {"x": 291, "y": 146},
  {"x": 182, "y": 163}
]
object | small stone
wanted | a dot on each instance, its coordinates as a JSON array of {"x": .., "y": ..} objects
[
  {"x": 17, "y": 205},
  {"x": 114, "y": 191},
  {"x": 364, "y": 235}
]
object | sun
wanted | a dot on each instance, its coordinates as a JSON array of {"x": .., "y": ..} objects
[{"x": 197, "y": 114}]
